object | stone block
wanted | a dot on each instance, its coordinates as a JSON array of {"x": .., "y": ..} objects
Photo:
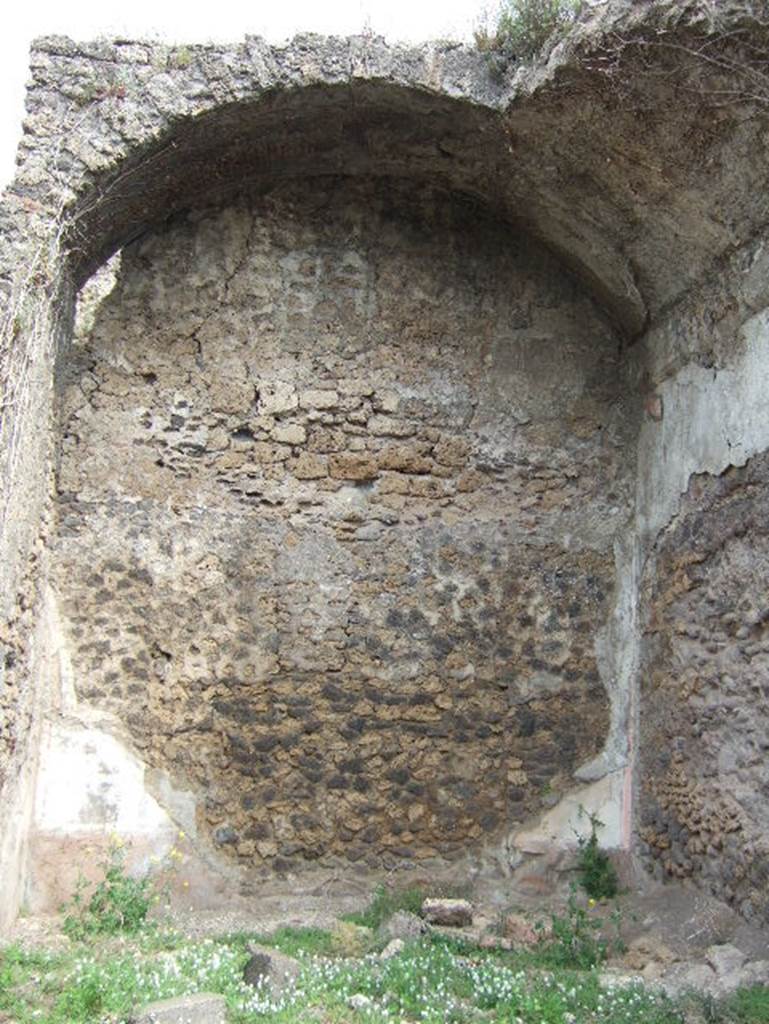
[
  {"x": 352, "y": 466},
  {"x": 404, "y": 925},
  {"x": 289, "y": 433},
  {"x": 310, "y": 466},
  {"x": 319, "y": 399},
  {"x": 204, "y": 1008},
  {"x": 448, "y": 912},
  {"x": 268, "y": 969}
]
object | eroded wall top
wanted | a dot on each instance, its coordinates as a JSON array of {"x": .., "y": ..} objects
[{"x": 636, "y": 151}]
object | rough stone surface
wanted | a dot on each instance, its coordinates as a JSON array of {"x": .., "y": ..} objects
[
  {"x": 448, "y": 912},
  {"x": 269, "y": 969},
  {"x": 404, "y": 925},
  {"x": 705, "y": 721},
  {"x": 656, "y": 207},
  {"x": 729, "y": 974},
  {"x": 523, "y": 931},
  {"x": 199, "y": 1009},
  {"x": 393, "y": 948},
  {"x": 388, "y": 656}
]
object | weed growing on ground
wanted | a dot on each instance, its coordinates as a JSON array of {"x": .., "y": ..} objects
[
  {"x": 384, "y": 903},
  {"x": 575, "y": 942},
  {"x": 749, "y": 1006},
  {"x": 118, "y": 902},
  {"x": 597, "y": 874},
  {"x": 301, "y": 942},
  {"x": 434, "y": 980}
]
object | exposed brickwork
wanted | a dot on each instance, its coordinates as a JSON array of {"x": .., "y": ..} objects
[
  {"x": 705, "y": 715},
  {"x": 341, "y": 470}
]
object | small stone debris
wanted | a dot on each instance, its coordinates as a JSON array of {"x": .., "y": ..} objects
[
  {"x": 393, "y": 948},
  {"x": 726, "y": 969},
  {"x": 205, "y": 1008},
  {"x": 267, "y": 968},
  {"x": 447, "y": 912},
  {"x": 523, "y": 932},
  {"x": 359, "y": 1002},
  {"x": 403, "y": 925}
]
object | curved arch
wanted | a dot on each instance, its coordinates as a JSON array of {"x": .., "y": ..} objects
[
  {"x": 639, "y": 193},
  {"x": 357, "y": 129}
]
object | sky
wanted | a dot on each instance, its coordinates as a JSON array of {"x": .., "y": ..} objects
[{"x": 220, "y": 21}]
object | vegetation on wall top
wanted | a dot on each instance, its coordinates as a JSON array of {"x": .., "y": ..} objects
[{"x": 523, "y": 28}]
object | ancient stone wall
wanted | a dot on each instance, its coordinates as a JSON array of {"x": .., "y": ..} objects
[
  {"x": 705, "y": 689},
  {"x": 342, "y": 466},
  {"x": 36, "y": 302},
  {"x": 702, "y": 519},
  {"x": 280, "y": 534}
]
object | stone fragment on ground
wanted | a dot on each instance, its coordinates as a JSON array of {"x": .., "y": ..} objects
[
  {"x": 448, "y": 912},
  {"x": 725, "y": 959},
  {"x": 724, "y": 970},
  {"x": 359, "y": 1001},
  {"x": 205, "y": 1008},
  {"x": 689, "y": 977},
  {"x": 522, "y": 931},
  {"x": 269, "y": 969},
  {"x": 393, "y": 948},
  {"x": 755, "y": 973},
  {"x": 403, "y": 925}
]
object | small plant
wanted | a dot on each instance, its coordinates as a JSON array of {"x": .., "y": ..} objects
[
  {"x": 750, "y": 1005},
  {"x": 179, "y": 58},
  {"x": 523, "y": 28},
  {"x": 118, "y": 902},
  {"x": 575, "y": 942},
  {"x": 349, "y": 939},
  {"x": 384, "y": 903},
  {"x": 306, "y": 940},
  {"x": 597, "y": 874}
]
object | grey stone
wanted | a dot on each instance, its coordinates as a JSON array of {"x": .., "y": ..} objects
[
  {"x": 726, "y": 960},
  {"x": 198, "y": 1009},
  {"x": 754, "y": 973},
  {"x": 403, "y": 925},
  {"x": 269, "y": 969},
  {"x": 689, "y": 977},
  {"x": 359, "y": 1001},
  {"x": 393, "y": 948}
]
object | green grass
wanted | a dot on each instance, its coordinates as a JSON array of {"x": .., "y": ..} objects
[
  {"x": 750, "y": 1005},
  {"x": 435, "y": 980},
  {"x": 297, "y": 942},
  {"x": 384, "y": 903}
]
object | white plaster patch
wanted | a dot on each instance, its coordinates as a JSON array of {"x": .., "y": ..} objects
[
  {"x": 570, "y": 818},
  {"x": 89, "y": 782},
  {"x": 713, "y": 419}
]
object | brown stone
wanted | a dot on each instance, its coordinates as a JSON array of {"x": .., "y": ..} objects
[
  {"x": 352, "y": 466},
  {"x": 447, "y": 912},
  {"x": 308, "y": 466}
]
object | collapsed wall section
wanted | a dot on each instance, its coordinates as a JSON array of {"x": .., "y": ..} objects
[{"x": 342, "y": 467}]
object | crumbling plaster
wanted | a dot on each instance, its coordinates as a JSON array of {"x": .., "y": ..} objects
[{"x": 642, "y": 196}]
